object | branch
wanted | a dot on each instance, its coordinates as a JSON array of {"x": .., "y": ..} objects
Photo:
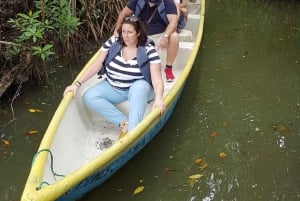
[
  {"x": 11, "y": 106},
  {"x": 7, "y": 43}
]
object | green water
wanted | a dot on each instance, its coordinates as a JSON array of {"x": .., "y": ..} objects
[{"x": 242, "y": 99}]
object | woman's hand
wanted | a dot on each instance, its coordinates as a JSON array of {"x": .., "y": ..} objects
[
  {"x": 72, "y": 88},
  {"x": 160, "y": 105}
]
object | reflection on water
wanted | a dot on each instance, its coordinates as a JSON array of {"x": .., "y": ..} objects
[{"x": 239, "y": 114}]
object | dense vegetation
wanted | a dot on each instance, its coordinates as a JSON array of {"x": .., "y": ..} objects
[{"x": 34, "y": 32}]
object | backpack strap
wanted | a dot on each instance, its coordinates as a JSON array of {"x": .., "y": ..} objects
[{"x": 139, "y": 7}]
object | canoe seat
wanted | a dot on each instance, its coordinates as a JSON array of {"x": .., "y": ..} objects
[{"x": 185, "y": 35}]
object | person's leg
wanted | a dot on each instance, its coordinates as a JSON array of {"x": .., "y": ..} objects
[
  {"x": 140, "y": 93},
  {"x": 172, "y": 50},
  {"x": 101, "y": 99},
  {"x": 168, "y": 56}
]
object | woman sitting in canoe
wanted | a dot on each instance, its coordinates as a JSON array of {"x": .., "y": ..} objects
[{"x": 132, "y": 70}]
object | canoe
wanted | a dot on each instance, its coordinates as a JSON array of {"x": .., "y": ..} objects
[{"x": 80, "y": 151}]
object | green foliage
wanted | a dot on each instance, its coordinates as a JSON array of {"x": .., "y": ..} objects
[
  {"x": 60, "y": 17},
  {"x": 43, "y": 52},
  {"x": 53, "y": 21},
  {"x": 31, "y": 29}
]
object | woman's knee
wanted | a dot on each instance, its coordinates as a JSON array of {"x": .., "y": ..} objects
[{"x": 140, "y": 87}]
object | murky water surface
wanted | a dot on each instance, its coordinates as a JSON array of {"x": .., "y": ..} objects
[{"x": 237, "y": 126}]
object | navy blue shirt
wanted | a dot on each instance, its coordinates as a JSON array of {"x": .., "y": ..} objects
[{"x": 157, "y": 24}]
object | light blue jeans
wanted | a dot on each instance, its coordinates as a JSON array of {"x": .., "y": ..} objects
[{"x": 102, "y": 98}]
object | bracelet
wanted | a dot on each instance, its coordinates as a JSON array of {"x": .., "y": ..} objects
[{"x": 79, "y": 83}]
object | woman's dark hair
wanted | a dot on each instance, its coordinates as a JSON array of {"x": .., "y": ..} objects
[{"x": 139, "y": 28}]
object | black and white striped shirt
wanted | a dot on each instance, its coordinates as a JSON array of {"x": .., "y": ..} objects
[{"x": 120, "y": 73}]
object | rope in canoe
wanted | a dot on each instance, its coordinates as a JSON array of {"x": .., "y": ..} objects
[{"x": 52, "y": 169}]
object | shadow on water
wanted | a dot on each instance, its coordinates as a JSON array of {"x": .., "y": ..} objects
[{"x": 237, "y": 125}]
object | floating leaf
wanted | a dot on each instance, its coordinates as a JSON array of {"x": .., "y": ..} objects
[
  {"x": 168, "y": 169},
  {"x": 31, "y": 132},
  {"x": 5, "y": 143},
  {"x": 203, "y": 166},
  {"x": 213, "y": 134},
  {"x": 198, "y": 160},
  {"x": 222, "y": 155},
  {"x": 225, "y": 124},
  {"x": 194, "y": 178},
  {"x": 31, "y": 110},
  {"x": 282, "y": 128},
  {"x": 138, "y": 189},
  {"x": 34, "y": 110}
]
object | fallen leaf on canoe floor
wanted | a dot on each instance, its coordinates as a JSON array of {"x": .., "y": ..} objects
[
  {"x": 31, "y": 132},
  {"x": 34, "y": 110},
  {"x": 138, "y": 189}
]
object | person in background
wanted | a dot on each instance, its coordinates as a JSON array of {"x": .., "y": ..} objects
[
  {"x": 125, "y": 78},
  {"x": 161, "y": 26},
  {"x": 182, "y": 11}
]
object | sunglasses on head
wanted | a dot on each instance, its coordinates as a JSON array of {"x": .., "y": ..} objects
[{"x": 131, "y": 18}]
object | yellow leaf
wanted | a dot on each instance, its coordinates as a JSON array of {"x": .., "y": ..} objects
[
  {"x": 5, "y": 143},
  {"x": 195, "y": 176},
  {"x": 34, "y": 110},
  {"x": 222, "y": 154},
  {"x": 31, "y": 110},
  {"x": 31, "y": 132},
  {"x": 198, "y": 160},
  {"x": 138, "y": 189}
]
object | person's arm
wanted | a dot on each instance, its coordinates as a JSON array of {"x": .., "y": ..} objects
[
  {"x": 170, "y": 29},
  {"x": 94, "y": 68},
  {"x": 183, "y": 4},
  {"x": 124, "y": 13},
  {"x": 173, "y": 22},
  {"x": 178, "y": 6},
  {"x": 158, "y": 86}
]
